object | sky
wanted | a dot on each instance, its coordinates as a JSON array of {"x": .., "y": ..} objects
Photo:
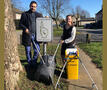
[{"x": 92, "y": 6}]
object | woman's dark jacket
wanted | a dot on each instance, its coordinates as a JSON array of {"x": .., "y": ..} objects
[
  {"x": 67, "y": 34},
  {"x": 25, "y": 23}
]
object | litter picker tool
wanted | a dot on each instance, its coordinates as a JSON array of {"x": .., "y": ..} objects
[
  {"x": 60, "y": 74},
  {"x": 38, "y": 52},
  {"x": 93, "y": 83}
]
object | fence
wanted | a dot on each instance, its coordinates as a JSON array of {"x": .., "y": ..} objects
[{"x": 87, "y": 38}]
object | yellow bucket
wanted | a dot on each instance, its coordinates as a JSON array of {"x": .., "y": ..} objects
[{"x": 72, "y": 63}]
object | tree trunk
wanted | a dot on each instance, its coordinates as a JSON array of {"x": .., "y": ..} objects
[
  {"x": 12, "y": 63},
  {"x": 56, "y": 21}
]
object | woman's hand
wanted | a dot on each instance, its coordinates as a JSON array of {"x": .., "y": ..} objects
[{"x": 62, "y": 41}]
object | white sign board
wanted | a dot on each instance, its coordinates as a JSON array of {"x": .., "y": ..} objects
[{"x": 44, "y": 30}]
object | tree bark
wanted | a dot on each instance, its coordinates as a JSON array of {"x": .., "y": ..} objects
[
  {"x": 57, "y": 26},
  {"x": 12, "y": 63}
]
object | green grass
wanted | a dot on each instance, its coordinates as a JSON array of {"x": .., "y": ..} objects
[
  {"x": 57, "y": 32},
  {"x": 18, "y": 30},
  {"x": 80, "y": 27},
  {"x": 27, "y": 84},
  {"x": 94, "y": 50}
]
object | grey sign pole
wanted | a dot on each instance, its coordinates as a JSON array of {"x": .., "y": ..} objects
[{"x": 44, "y": 48}]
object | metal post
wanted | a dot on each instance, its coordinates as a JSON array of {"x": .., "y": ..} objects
[{"x": 44, "y": 48}]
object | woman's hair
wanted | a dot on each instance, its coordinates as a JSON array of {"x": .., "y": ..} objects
[
  {"x": 33, "y": 2},
  {"x": 71, "y": 17}
]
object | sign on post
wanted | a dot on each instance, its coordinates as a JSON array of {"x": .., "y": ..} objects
[{"x": 44, "y": 30}]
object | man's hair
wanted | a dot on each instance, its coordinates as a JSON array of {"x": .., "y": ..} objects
[
  {"x": 69, "y": 15},
  {"x": 33, "y": 2}
]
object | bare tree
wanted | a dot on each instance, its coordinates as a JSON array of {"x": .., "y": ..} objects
[
  {"x": 54, "y": 8},
  {"x": 81, "y": 12},
  {"x": 84, "y": 14},
  {"x": 78, "y": 12},
  {"x": 73, "y": 11},
  {"x": 12, "y": 63},
  {"x": 17, "y": 4}
]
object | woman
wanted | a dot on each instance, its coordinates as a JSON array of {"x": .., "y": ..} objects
[{"x": 68, "y": 37}]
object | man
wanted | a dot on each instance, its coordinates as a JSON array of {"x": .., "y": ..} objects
[{"x": 28, "y": 24}]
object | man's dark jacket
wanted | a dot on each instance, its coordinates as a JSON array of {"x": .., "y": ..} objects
[{"x": 25, "y": 23}]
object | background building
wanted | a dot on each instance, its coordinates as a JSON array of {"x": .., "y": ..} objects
[
  {"x": 99, "y": 16},
  {"x": 17, "y": 15}
]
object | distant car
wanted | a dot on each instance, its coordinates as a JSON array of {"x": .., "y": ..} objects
[
  {"x": 61, "y": 25},
  {"x": 87, "y": 25},
  {"x": 93, "y": 25}
]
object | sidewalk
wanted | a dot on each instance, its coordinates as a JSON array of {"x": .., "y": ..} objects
[{"x": 84, "y": 82}]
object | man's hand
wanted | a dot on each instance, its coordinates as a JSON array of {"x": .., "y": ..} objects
[{"x": 27, "y": 31}]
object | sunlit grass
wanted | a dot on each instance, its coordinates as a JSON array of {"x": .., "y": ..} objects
[{"x": 94, "y": 50}]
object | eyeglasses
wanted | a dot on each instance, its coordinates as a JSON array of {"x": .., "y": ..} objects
[{"x": 34, "y": 6}]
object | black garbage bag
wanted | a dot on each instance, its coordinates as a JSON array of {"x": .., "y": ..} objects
[{"x": 45, "y": 72}]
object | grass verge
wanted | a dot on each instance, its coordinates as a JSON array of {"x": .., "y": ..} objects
[
  {"x": 57, "y": 32},
  {"x": 94, "y": 50}
]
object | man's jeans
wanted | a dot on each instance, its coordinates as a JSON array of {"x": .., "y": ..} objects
[{"x": 28, "y": 51}]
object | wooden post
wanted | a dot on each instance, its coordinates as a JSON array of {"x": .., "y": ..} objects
[
  {"x": 88, "y": 38},
  {"x": 20, "y": 39}
]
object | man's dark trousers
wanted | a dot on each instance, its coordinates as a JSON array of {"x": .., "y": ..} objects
[{"x": 28, "y": 51}]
